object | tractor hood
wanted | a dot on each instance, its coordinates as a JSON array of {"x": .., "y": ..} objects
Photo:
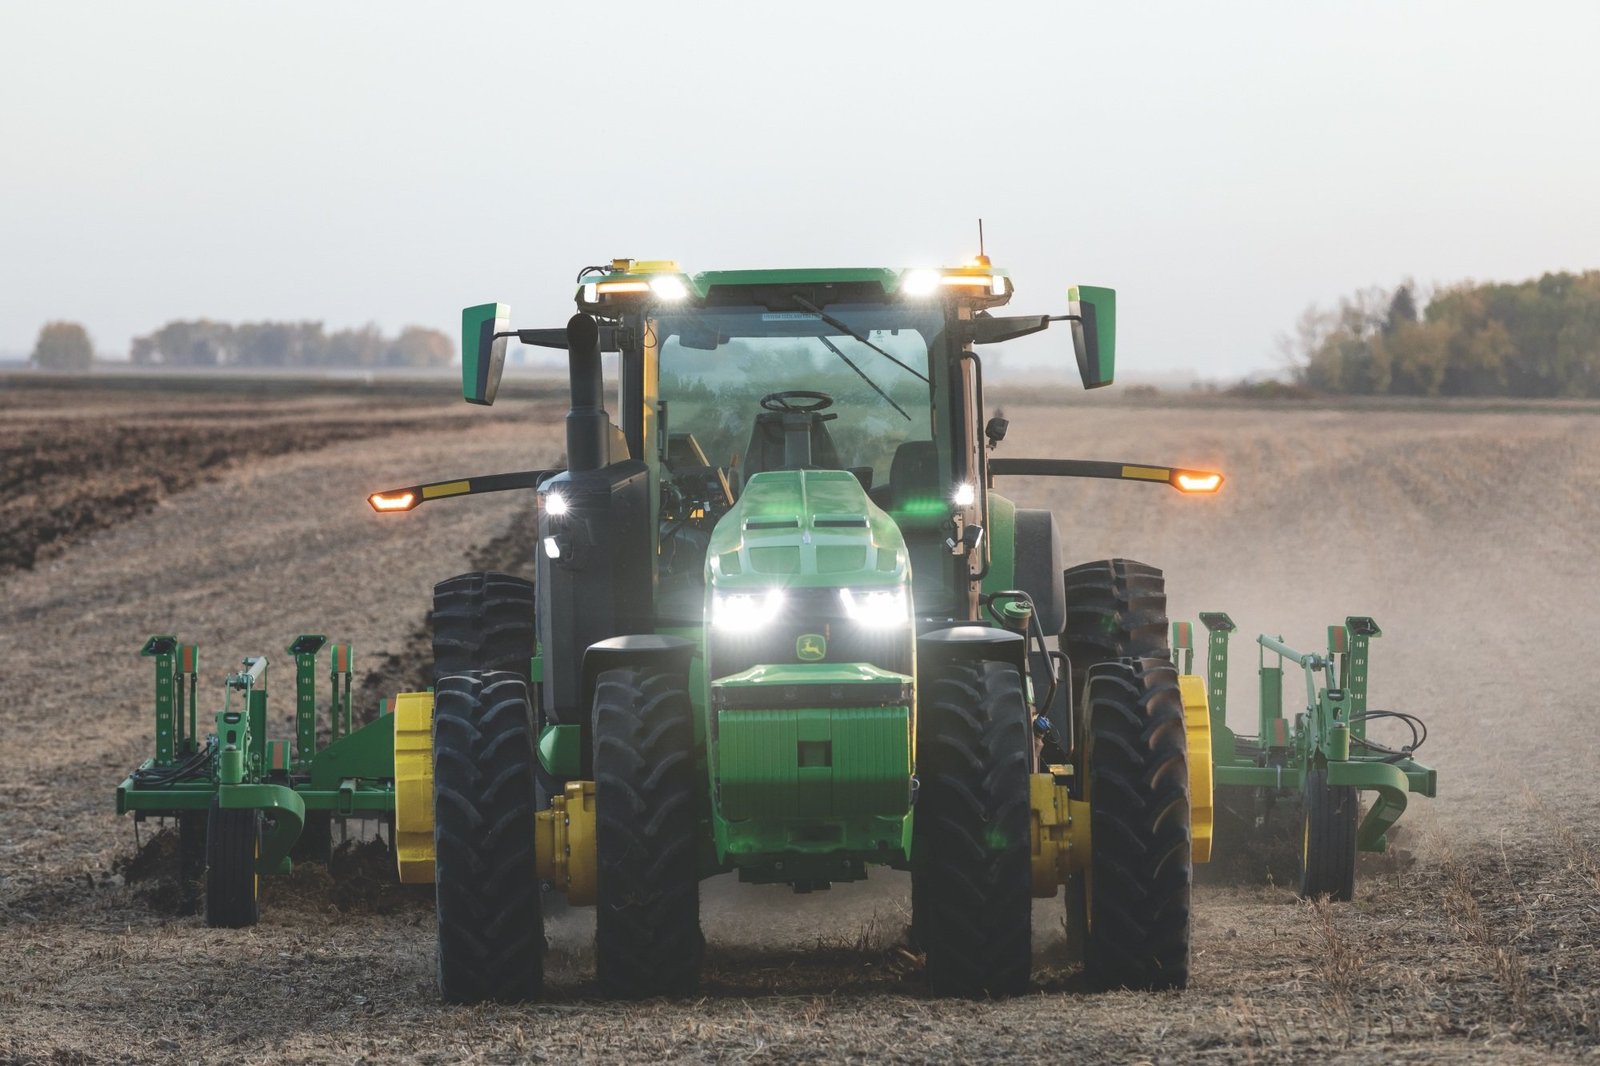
[{"x": 805, "y": 529}]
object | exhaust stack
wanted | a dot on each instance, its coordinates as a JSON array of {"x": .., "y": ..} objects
[{"x": 587, "y": 420}]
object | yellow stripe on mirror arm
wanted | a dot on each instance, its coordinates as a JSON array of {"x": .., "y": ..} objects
[{"x": 445, "y": 488}]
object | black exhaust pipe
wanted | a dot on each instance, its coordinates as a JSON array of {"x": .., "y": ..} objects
[{"x": 587, "y": 420}]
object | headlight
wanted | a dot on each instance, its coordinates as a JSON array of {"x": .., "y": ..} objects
[
  {"x": 668, "y": 287},
  {"x": 876, "y": 608},
  {"x": 965, "y": 495},
  {"x": 920, "y": 282},
  {"x": 555, "y": 504},
  {"x": 745, "y": 610}
]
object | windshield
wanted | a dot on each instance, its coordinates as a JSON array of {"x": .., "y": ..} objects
[{"x": 872, "y": 361}]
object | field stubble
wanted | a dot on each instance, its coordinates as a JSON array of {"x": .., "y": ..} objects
[{"x": 1470, "y": 536}]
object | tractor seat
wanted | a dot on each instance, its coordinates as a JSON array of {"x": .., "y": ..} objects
[{"x": 767, "y": 452}]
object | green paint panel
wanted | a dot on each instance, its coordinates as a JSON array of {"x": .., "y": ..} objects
[
  {"x": 1096, "y": 337},
  {"x": 707, "y": 280},
  {"x": 812, "y": 528},
  {"x": 561, "y": 749},
  {"x": 368, "y": 754},
  {"x": 1002, "y": 537},
  {"x": 288, "y": 812},
  {"x": 814, "y": 763},
  {"x": 482, "y": 356},
  {"x": 779, "y": 559},
  {"x": 780, "y": 674}
]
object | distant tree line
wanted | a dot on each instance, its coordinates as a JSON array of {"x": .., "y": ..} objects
[
  {"x": 63, "y": 346},
  {"x": 202, "y": 342},
  {"x": 1533, "y": 338}
]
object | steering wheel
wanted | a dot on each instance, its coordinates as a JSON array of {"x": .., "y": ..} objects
[{"x": 784, "y": 402}]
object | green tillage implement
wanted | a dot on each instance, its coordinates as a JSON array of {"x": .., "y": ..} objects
[
  {"x": 1317, "y": 760},
  {"x": 277, "y": 789}
]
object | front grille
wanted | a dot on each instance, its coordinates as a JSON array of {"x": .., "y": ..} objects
[
  {"x": 821, "y": 694},
  {"x": 809, "y": 612}
]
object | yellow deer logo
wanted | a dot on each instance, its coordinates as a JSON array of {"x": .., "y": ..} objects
[{"x": 811, "y": 648}]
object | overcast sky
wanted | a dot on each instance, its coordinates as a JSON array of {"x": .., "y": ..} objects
[{"x": 1222, "y": 165}]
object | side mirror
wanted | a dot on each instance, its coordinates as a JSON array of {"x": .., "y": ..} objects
[
  {"x": 1094, "y": 334},
  {"x": 483, "y": 355}
]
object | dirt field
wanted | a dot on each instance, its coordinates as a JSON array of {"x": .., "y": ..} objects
[{"x": 1470, "y": 535}]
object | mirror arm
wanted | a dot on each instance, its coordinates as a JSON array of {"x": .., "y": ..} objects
[
  {"x": 411, "y": 497},
  {"x": 991, "y": 330},
  {"x": 1180, "y": 478},
  {"x": 557, "y": 338}
]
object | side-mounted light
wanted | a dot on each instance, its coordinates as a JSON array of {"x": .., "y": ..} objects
[
  {"x": 397, "y": 501},
  {"x": 622, "y": 285},
  {"x": 1196, "y": 482},
  {"x": 926, "y": 282}
]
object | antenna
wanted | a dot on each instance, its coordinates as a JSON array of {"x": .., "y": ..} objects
[{"x": 980, "y": 238}]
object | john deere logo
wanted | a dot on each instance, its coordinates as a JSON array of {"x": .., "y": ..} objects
[{"x": 811, "y": 647}]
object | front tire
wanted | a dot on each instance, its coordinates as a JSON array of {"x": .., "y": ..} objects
[
  {"x": 1140, "y": 867},
  {"x": 233, "y": 887},
  {"x": 970, "y": 883},
  {"x": 491, "y": 926},
  {"x": 647, "y": 919},
  {"x": 1328, "y": 839}
]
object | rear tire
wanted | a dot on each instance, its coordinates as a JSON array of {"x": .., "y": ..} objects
[
  {"x": 233, "y": 888},
  {"x": 971, "y": 884},
  {"x": 1140, "y": 867},
  {"x": 1116, "y": 609},
  {"x": 647, "y": 919},
  {"x": 486, "y": 621},
  {"x": 491, "y": 927},
  {"x": 1328, "y": 840},
  {"x": 482, "y": 622}
]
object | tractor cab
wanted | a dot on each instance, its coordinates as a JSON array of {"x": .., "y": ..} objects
[{"x": 730, "y": 374}]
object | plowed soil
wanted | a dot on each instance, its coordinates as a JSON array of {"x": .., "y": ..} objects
[{"x": 1472, "y": 537}]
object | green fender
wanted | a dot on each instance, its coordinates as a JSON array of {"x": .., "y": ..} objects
[
  {"x": 288, "y": 818},
  {"x": 1391, "y": 785}
]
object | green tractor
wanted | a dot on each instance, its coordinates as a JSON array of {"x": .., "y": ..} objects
[{"x": 783, "y": 626}]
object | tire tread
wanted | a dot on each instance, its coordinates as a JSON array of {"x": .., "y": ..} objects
[{"x": 971, "y": 877}]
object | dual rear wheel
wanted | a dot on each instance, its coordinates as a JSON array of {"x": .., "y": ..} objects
[
  {"x": 490, "y": 917},
  {"x": 971, "y": 888},
  {"x": 1129, "y": 913}
]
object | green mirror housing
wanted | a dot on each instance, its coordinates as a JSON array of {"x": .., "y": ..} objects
[
  {"x": 483, "y": 355},
  {"x": 1094, "y": 334}
]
